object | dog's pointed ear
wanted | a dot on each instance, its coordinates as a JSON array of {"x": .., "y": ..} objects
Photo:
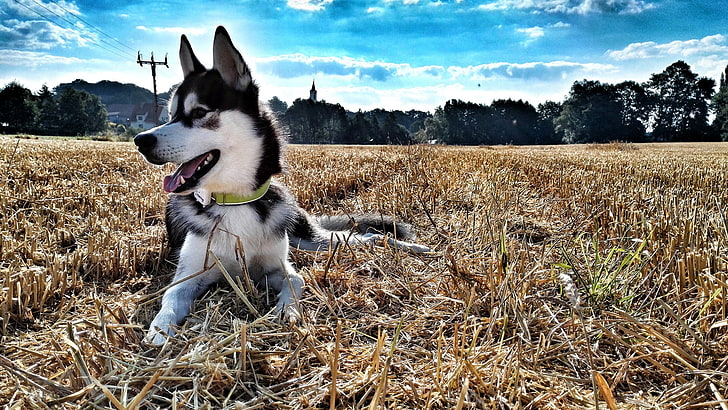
[
  {"x": 190, "y": 63},
  {"x": 226, "y": 59}
]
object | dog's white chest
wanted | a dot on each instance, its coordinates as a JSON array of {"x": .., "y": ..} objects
[{"x": 240, "y": 227}]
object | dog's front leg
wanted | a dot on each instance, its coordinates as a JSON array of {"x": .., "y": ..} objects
[
  {"x": 190, "y": 281},
  {"x": 284, "y": 279},
  {"x": 290, "y": 284}
]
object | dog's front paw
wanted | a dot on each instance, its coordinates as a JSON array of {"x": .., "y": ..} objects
[
  {"x": 157, "y": 337},
  {"x": 288, "y": 313},
  {"x": 159, "y": 330}
]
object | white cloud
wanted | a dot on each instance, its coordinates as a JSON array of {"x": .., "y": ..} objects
[
  {"x": 419, "y": 98},
  {"x": 298, "y": 65},
  {"x": 40, "y": 35},
  {"x": 711, "y": 66},
  {"x": 405, "y": 2},
  {"x": 31, "y": 8},
  {"x": 175, "y": 30},
  {"x": 33, "y": 59},
  {"x": 366, "y": 84},
  {"x": 544, "y": 71},
  {"x": 309, "y": 5},
  {"x": 572, "y": 6},
  {"x": 707, "y": 56},
  {"x": 715, "y": 44},
  {"x": 532, "y": 32}
]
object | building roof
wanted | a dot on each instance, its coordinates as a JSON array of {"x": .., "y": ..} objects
[
  {"x": 147, "y": 108},
  {"x": 121, "y": 110}
]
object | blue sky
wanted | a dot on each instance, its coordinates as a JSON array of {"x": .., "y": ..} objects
[{"x": 393, "y": 54}]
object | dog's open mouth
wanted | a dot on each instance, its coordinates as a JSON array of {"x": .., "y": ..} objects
[{"x": 187, "y": 175}]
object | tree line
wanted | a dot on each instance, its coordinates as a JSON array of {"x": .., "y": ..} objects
[
  {"x": 69, "y": 112},
  {"x": 319, "y": 122},
  {"x": 674, "y": 105}
]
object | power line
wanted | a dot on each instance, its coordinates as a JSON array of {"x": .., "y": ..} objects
[
  {"x": 72, "y": 23},
  {"x": 60, "y": 25},
  {"x": 102, "y": 32}
]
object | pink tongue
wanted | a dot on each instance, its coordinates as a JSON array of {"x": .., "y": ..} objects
[{"x": 186, "y": 170}]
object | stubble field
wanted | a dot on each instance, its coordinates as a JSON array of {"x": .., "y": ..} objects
[{"x": 562, "y": 277}]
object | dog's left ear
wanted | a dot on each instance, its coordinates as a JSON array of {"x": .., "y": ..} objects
[
  {"x": 190, "y": 63},
  {"x": 226, "y": 59}
]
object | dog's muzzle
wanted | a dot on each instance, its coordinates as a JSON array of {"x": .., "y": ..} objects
[{"x": 146, "y": 142}]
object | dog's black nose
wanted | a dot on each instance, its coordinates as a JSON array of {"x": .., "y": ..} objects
[{"x": 145, "y": 140}]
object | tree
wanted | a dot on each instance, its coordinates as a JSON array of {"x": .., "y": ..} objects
[
  {"x": 679, "y": 104},
  {"x": 591, "y": 113},
  {"x": 47, "y": 112},
  {"x": 434, "y": 128},
  {"x": 634, "y": 111},
  {"x": 414, "y": 120},
  {"x": 313, "y": 122},
  {"x": 720, "y": 108},
  {"x": 392, "y": 132},
  {"x": 278, "y": 106},
  {"x": 466, "y": 123},
  {"x": 416, "y": 127},
  {"x": 512, "y": 122},
  {"x": 547, "y": 113},
  {"x": 81, "y": 113},
  {"x": 362, "y": 130},
  {"x": 18, "y": 110}
]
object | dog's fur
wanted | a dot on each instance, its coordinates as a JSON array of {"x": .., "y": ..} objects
[{"x": 226, "y": 142}]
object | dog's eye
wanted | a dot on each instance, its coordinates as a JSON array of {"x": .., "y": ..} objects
[{"x": 198, "y": 113}]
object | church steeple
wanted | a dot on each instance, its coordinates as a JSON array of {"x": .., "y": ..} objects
[{"x": 312, "y": 93}]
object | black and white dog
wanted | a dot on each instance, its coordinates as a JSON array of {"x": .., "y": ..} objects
[{"x": 225, "y": 203}]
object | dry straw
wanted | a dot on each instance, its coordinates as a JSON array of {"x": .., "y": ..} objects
[{"x": 563, "y": 278}]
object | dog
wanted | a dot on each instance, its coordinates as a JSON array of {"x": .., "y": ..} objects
[{"x": 225, "y": 206}]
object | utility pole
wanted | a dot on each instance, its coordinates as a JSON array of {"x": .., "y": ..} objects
[{"x": 154, "y": 65}]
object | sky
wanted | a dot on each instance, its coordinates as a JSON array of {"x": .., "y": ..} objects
[{"x": 366, "y": 54}]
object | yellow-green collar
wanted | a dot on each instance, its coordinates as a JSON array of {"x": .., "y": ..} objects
[{"x": 232, "y": 199}]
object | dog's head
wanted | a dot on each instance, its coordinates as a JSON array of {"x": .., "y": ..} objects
[{"x": 218, "y": 134}]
